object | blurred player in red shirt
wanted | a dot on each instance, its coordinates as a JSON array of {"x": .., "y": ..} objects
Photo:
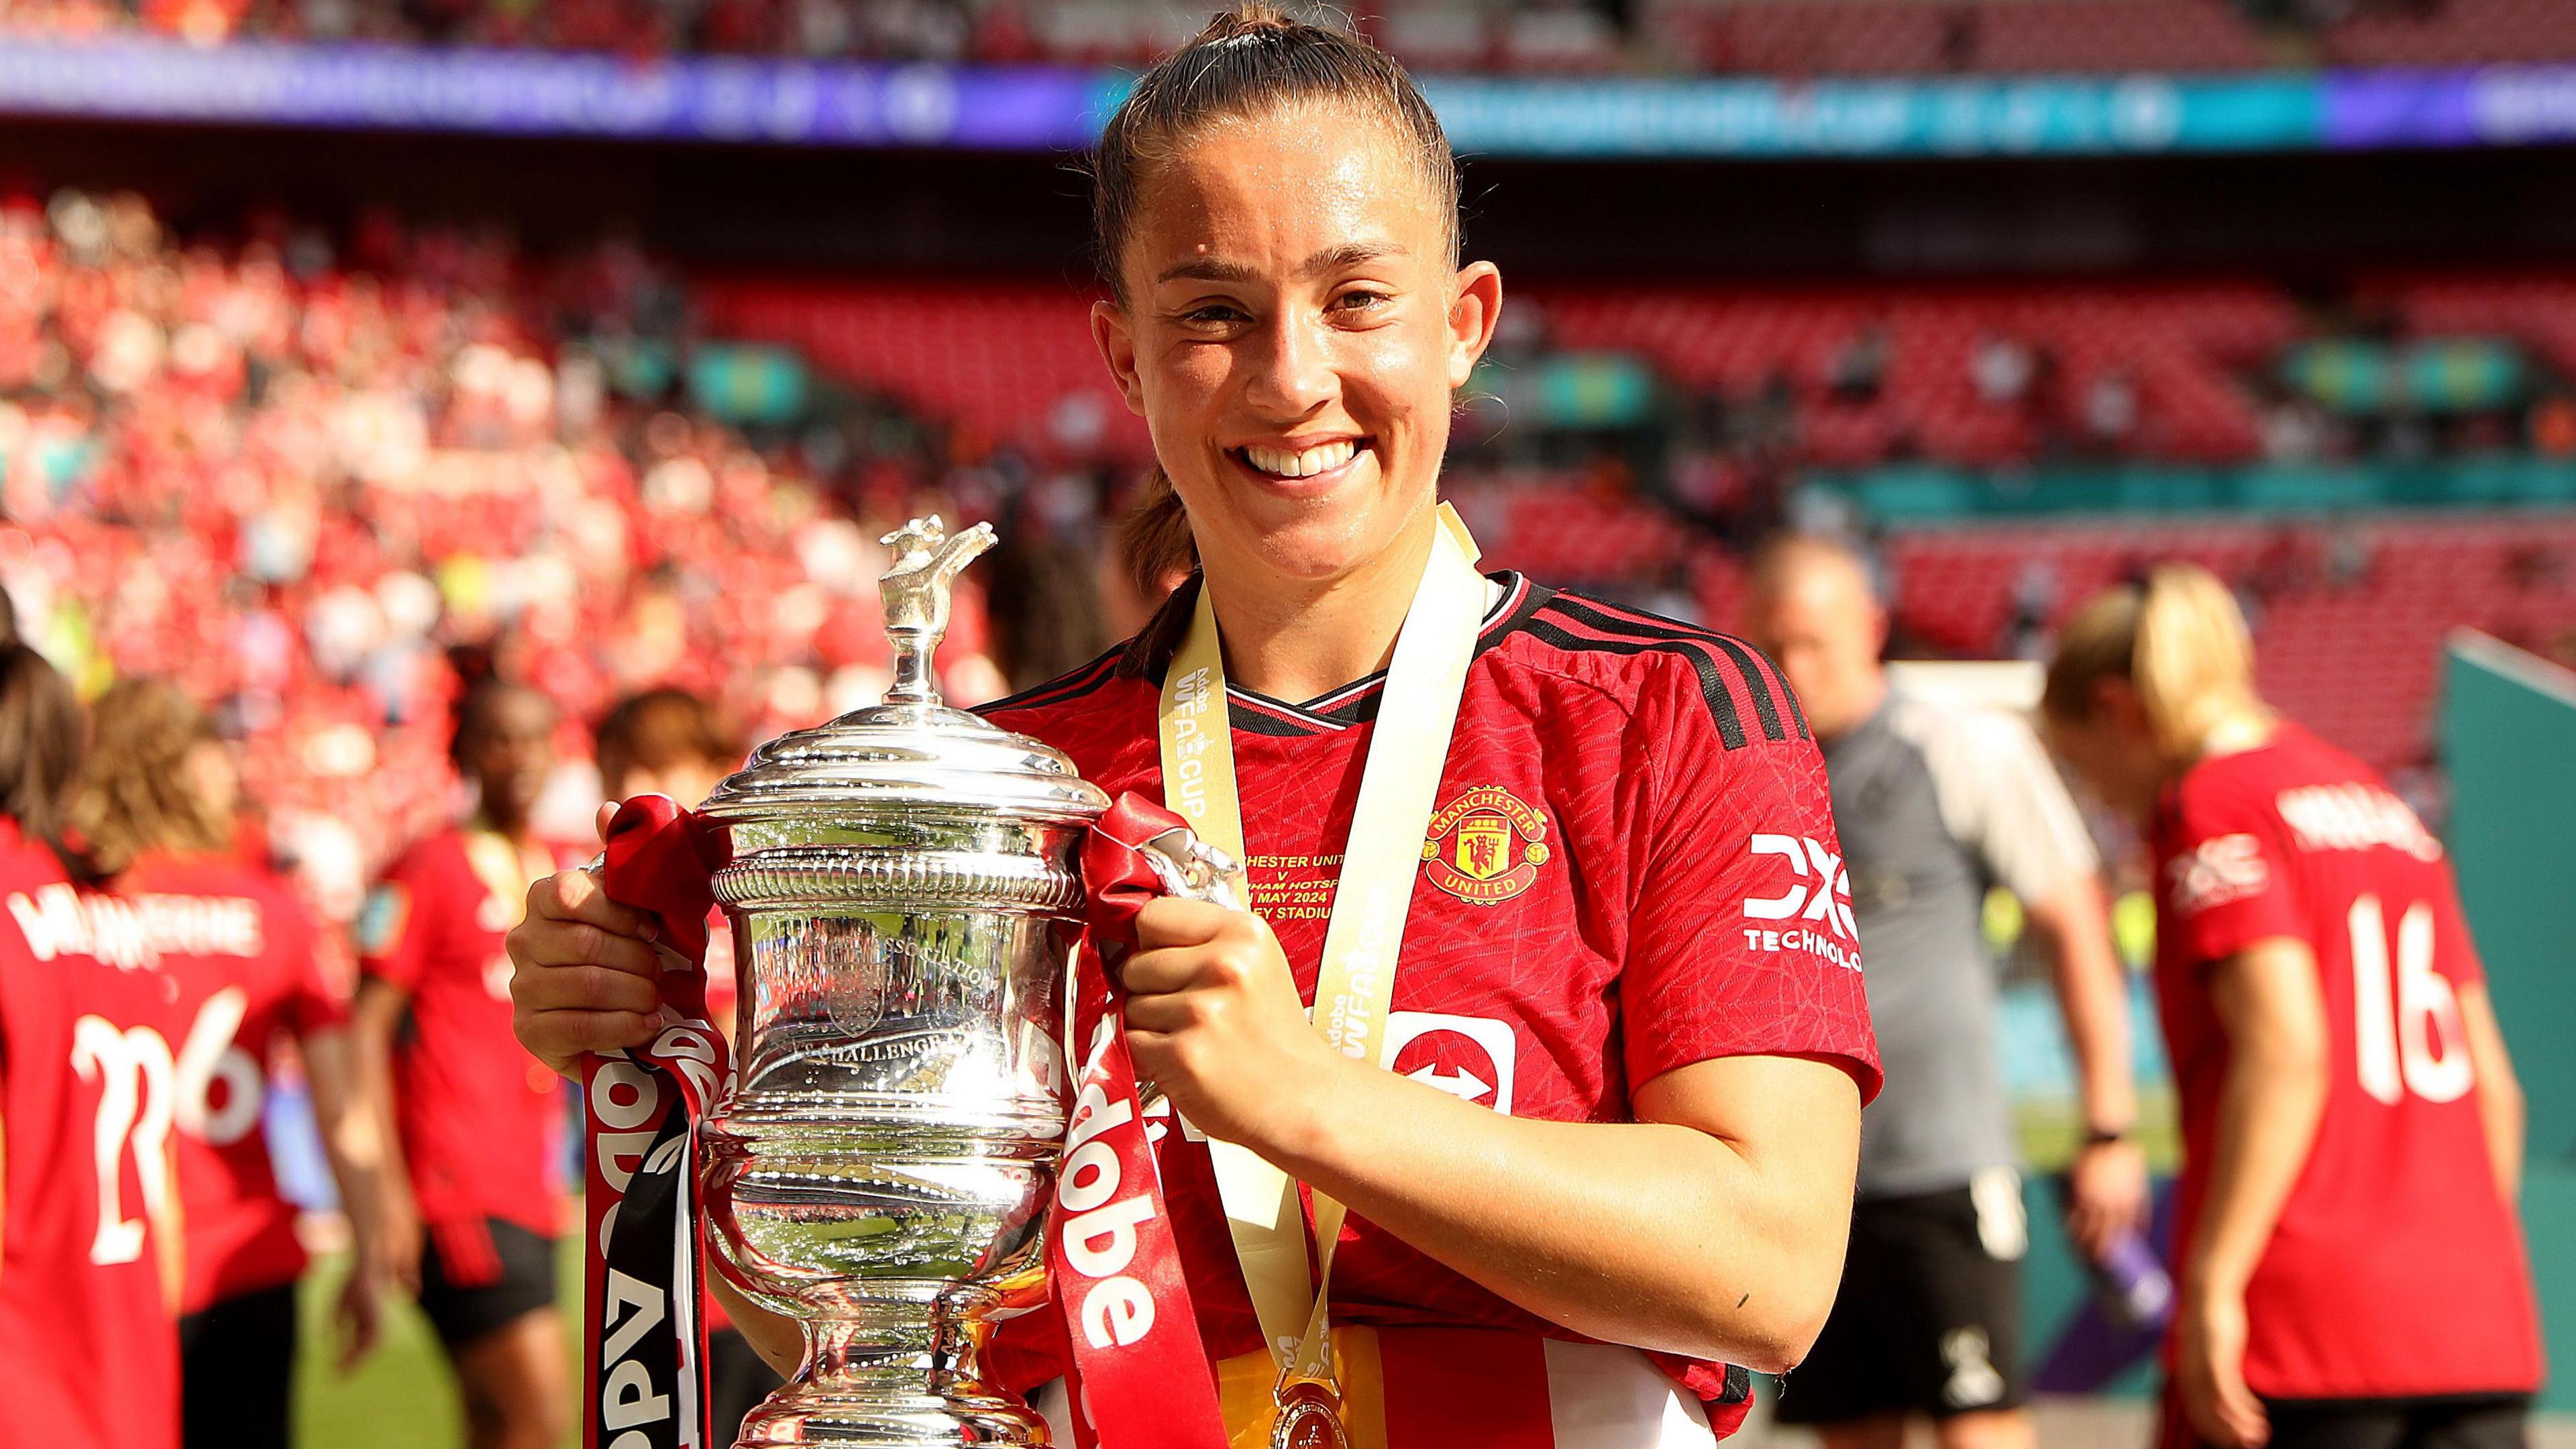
[
  {"x": 89, "y": 1249},
  {"x": 671, "y": 742},
  {"x": 156, "y": 815},
  {"x": 2350, "y": 1261},
  {"x": 473, "y": 1203}
]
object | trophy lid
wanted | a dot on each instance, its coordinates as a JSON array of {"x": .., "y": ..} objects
[{"x": 912, "y": 753}]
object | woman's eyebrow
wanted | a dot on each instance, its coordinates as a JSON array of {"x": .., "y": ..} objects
[
  {"x": 1208, "y": 269},
  {"x": 1349, "y": 254},
  {"x": 1331, "y": 259}
]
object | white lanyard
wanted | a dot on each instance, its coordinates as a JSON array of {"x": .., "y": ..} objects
[{"x": 1356, "y": 982}]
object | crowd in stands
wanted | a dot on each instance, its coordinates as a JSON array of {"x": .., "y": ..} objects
[
  {"x": 320, "y": 490},
  {"x": 322, "y": 480},
  {"x": 1759, "y": 37}
]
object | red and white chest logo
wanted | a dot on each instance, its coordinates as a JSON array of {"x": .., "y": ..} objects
[
  {"x": 1486, "y": 846},
  {"x": 1470, "y": 1057},
  {"x": 2220, "y": 869}
]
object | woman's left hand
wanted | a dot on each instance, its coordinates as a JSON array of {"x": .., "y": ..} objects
[
  {"x": 2209, "y": 1371},
  {"x": 1214, "y": 1019}
]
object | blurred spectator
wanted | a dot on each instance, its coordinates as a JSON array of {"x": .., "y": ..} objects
[
  {"x": 2111, "y": 413},
  {"x": 1860, "y": 366},
  {"x": 2002, "y": 369},
  {"x": 1935, "y": 803}
]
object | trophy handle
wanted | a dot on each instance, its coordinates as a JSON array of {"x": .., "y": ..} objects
[
  {"x": 1195, "y": 870},
  {"x": 1190, "y": 867},
  {"x": 915, "y": 592}
]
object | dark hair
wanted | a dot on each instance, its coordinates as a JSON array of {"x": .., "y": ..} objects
[
  {"x": 658, "y": 729},
  {"x": 42, "y": 738},
  {"x": 475, "y": 707},
  {"x": 1251, "y": 58}
]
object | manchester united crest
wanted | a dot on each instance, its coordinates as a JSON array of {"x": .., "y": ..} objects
[{"x": 1486, "y": 846}]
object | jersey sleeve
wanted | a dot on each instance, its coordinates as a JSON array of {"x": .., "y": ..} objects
[
  {"x": 396, "y": 924},
  {"x": 2003, "y": 797},
  {"x": 1741, "y": 941},
  {"x": 2225, "y": 882}
]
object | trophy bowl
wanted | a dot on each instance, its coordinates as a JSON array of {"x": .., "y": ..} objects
[{"x": 903, "y": 892}]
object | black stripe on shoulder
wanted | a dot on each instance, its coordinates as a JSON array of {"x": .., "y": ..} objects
[
  {"x": 1788, "y": 696},
  {"x": 1757, "y": 680},
  {"x": 1739, "y": 1385},
  {"x": 1061, "y": 688},
  {"x": 1765, "y": 708},
  {"x": 1712, "y": 685}
]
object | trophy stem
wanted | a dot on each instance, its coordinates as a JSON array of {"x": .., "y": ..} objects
[{"x": 893, "y": 1374}]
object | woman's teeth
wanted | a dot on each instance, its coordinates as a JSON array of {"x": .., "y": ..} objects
[{"x": 1322, "y": 458}]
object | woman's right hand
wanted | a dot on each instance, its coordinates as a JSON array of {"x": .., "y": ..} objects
[{"x": 585, "y": 976}]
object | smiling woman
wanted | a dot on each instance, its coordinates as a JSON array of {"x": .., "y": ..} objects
[
  {"x": 1295, "y": 363},
  {"x": 1500, "y": 837}
]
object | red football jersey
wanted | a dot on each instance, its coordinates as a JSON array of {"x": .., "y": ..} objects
[
  {"x": 2397, "y": 1268},
  {"x": 1631, "y": 867},
  {"x": 481, "y": 1120},
  {"x": 88, "y": 1101},
  {"x": 240, "y": 946}
]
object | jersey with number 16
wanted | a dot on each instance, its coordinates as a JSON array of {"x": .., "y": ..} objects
[{"x": 2396, "y": 1269}]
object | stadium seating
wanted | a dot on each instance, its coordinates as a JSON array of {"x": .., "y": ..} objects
[
  {"x": 293, "y": 489},
  {"x": 1012, "y": 360},
  {"x": 1007, "y": 358}
]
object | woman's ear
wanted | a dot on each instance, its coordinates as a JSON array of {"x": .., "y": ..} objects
[
  {"x": 1476, "y": 301},
  {"x": 1117, "y": 344}
]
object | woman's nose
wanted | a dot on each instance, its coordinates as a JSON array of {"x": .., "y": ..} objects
[{"x": 1292, "y": 371}]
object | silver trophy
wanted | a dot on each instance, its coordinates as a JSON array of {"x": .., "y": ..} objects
[{"x": 903, "y": 891}]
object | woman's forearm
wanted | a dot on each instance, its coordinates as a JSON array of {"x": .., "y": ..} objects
[
  {"x": 2269, "y": 1105},
  {"x": 1692, "y": 1239},
  {"x": 373, "y": 1016},
  {"x": 352, "y": 1130},
  {"x": 2092, "y": 993},
  {"x": 2501, "y": 1112}
]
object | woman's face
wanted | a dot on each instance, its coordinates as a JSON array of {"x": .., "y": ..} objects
[
  {"x": 211, "y": 776},
  {"x": 1292, "y": 333},
  {"x": 2113, "y": 750}
]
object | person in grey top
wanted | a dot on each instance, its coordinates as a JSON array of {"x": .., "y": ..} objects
[{"x": 1934, "y": 805}]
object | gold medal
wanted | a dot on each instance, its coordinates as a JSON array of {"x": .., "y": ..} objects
[{"x": 1310, "y": 1417}]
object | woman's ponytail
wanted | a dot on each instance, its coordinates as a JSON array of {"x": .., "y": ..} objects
[
  {"x": 1154, "y": 537},
  {"x": 2179, "y": 640},
  {"x": 2194, "y": 660}
]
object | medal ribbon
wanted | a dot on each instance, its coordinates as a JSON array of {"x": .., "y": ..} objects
[
  {"x": 1355, "y": 985},
  {"x": 1138, "y": 1374}
]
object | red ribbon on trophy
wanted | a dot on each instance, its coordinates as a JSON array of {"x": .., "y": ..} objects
[
  {"x": 644, "y": 1251},
  {"x": 1137, "y": 1373}
]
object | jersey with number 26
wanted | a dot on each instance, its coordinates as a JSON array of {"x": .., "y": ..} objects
[
  {"x": 88, "y": 1100},
  {"x": 2397, "y": 1268}
]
